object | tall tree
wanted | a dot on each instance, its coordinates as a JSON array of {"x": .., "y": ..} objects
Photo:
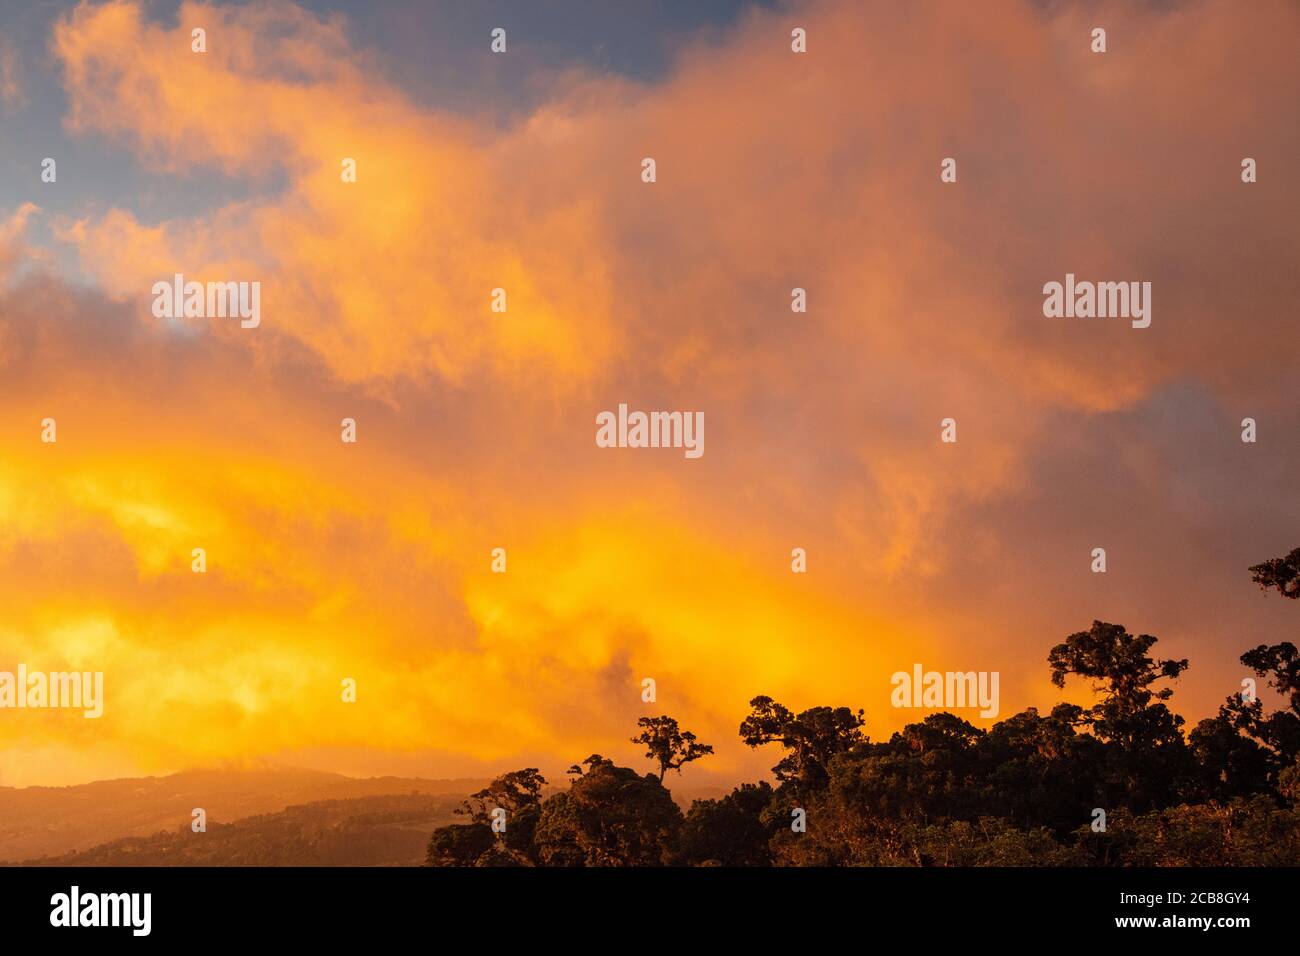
[
  {"x": 667, "y": 745},
  {"x": 1277, "y": 732},
  {"x": 1150, "y": 756},
  {"x": 811, "y": 738},
  {"x": 1118, "y": 663},
  {"x": 519, "y": 793}
]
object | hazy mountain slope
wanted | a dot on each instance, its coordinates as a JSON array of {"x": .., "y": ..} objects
[
  {"x": 365, "y": 831},
  {"x": 49, "y": 821}
]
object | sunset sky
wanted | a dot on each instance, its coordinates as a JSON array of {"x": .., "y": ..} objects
[{"x": 476, "y": 429}]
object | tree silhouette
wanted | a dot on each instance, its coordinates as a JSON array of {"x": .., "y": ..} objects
[
  {"x": 459, "y": 845},
  {"x": 1108, "y": 652},
  {"x": 1280, "y": 573},
  {"x": 1278, "y": 732},
  {"x": 519, "y": 794},
  {"x": 1150, "y": 755},
  {"x": 943, "y": 792},
  {"x": 812, "y": 738},
  {"x": 610, "y": 816},
  {"x": 1232, "y": 763},
  {"x": 668, "y": 746},
  {"x": 1242, "y": 747},
  {"x": 1275, "y": 735},
  {"x": 516, "y": 791},
  {"x": 1280, "y": 664},
  {"x": 1118, "y": 662},
  {"x": 591, "y": 763}
]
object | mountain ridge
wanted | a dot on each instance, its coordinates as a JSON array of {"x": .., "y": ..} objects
[{"x": 45, "y": 821}]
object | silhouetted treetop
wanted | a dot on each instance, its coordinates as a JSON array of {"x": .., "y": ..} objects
[
  {"x": 1116, "y": 659},
  {"x": 941, "y": 791},
  {"x": 591, "y": 763},
  {"x": 667, "y": 745},
  {"x": 1280, "y": 663},
  {"x": 515, "y": 791},
  {"x": 610, "y": 816},
  {"x": 1280, "y": 573},
  {"x": 812, "y": 737}
]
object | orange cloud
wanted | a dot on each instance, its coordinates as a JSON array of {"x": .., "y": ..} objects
[
  {"x": 389, "y": 276},
  {"x": 371, "y": 561}
]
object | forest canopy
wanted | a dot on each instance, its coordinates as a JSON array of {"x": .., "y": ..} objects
[{"x": 1120, "y": 782}]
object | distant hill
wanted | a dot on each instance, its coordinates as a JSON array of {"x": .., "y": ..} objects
[
  {"x": 390, "y": 830},
  {"x": 54, "y": 821}
]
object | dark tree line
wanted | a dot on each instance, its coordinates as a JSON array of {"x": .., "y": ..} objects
[{"x": 1117, "y": 783}]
